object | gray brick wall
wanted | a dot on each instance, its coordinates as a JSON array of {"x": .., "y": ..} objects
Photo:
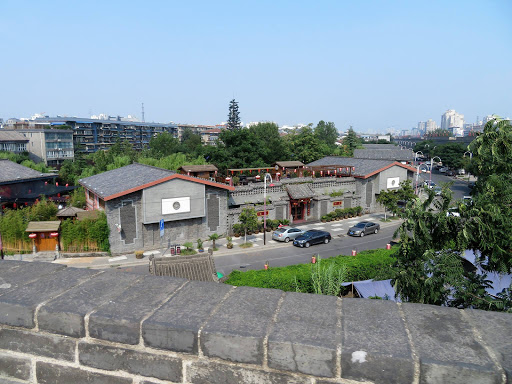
[{"x": 149, "y": 329}]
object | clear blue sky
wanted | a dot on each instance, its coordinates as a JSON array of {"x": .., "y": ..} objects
[{"x": 370, "y": 64}]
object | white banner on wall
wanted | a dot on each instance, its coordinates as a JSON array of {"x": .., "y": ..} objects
[
  {"x": 175, "y": 205},
  {"x": 393, "y": 182}
]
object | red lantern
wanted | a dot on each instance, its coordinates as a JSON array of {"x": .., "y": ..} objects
[
  {"x": 56, "y": 184},
  {"x": 258, "y": 177},
  {"x": 321, "y": 173},
  {"x": 14, "y": 205},
  {"x": 54, "y": 234},
  {"x": 32, "y": 235},
  {"x": 67, "y": 185},
  {"x": 45, "y": 183}
]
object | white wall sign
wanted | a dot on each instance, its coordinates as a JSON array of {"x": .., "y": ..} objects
[
  {"x": 393, "y": 182},
  {"x": 175, "y": 205}
]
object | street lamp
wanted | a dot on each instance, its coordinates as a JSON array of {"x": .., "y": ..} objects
[
  {"x": 432, "y": 167},
  {"x": 470, "y": 157},
  {"x": 418, "y": 174},
  {"x": 265, "y": 205},
  {"x": 416, "y": 155}
]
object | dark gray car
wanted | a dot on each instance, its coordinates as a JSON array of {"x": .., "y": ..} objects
[
  {"x": 286, "y": 234},
  {"x": 363, "y": 228}
]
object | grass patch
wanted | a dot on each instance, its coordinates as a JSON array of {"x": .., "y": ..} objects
[
  {"x": 188, "y": 252},
  {"x": 372, "y": 264},
  {"x": 245, "y": 245}
]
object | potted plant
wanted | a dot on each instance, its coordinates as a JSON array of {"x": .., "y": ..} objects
[
  {"x": 139, "y": 254},
  {"x": 200, "y": 245},
  {"x": 213, "y": 237},
  {"x": 324, "y": 218},
  {"x": 229, "y": 245}
]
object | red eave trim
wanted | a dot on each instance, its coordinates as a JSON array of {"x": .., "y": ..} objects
[
  {"x": 175, "y": 176},
  {"x": 386, "y": 167}
]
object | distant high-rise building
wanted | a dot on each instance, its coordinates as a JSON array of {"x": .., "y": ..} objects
[
  {"x": 453, "y": 121},
  {"x": 427, "y": 126}
]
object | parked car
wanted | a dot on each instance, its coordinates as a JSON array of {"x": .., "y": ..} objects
[
  {"x": 363, "y": 228},
  {"x": 453, "y": 211},
  {"x": 450, "y": 173},
  {"x": 429, "y": 184},
  {"x": 461, "y": 171},
  {"x": 313, "y": 236},
  {"x": 286, "y": 234},
  {"x": 438, "y": 190},
  {"x": 443, "y": 169}
]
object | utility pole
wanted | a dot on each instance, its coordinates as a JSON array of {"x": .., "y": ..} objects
[{"x": 143, "y": 113}]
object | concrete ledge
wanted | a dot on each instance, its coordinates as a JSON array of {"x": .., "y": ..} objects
[{"x": 64, "y": 325}]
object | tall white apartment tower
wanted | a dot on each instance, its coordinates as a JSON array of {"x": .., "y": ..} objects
[{"x": 453, "y": 121}]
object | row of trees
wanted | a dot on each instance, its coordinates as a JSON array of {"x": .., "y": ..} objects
[{"x": 239, "y": 147}]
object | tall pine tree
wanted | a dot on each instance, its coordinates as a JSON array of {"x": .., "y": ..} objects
[{"x": 233, "y": 116}]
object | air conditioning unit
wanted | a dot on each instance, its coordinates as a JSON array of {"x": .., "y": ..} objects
[{"x": 58, "y": 139}]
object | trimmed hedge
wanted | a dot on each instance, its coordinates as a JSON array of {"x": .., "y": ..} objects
[{"x": 372, "y": 264}]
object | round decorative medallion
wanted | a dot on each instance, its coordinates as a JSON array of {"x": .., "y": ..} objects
[{"x": 176, "y": 205}]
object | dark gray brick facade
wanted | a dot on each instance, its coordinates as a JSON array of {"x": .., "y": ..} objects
[{"x": 194, "y": 332}]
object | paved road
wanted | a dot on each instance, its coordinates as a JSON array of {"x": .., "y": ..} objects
[{"x": 459, "y": 188}]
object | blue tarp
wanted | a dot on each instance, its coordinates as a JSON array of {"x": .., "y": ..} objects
[
  {"x": 499, "y": 281},
  {"x": 372, "y": 288}
]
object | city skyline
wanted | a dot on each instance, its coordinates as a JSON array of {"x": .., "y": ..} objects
[{"x": 375, "y": 66}]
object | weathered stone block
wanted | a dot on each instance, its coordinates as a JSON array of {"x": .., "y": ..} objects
[
  {"x": 495, "y": 329},
  {"x": 213, "y": 373},
  {"x": 56, "y": 347},
  {"x": 304, "y": 338},
  {"x": 14, "y": 273},
  {"x": 139, "y": 363},
  {"x": 17, "y": 306},
  {"x": 15, "y": 367},
  {"x": 236, "y": 331},
  {"x": 446, "y": 347},
  {"x": 119, "y": 320},
  {"x": 175, "y": 325},
  {"x": 58, "y": 374},
  {"x": 375, "y": 345},
  {"x": 65, "y": 314}
]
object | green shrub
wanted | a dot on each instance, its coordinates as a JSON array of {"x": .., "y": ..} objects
[{"x": 372, "y": 264}]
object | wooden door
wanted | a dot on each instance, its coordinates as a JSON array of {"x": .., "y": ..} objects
[{"x": 45, "y": 243}]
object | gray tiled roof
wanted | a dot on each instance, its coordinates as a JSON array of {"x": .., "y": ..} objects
[
  {"x": 300, "y": 191},
  {"x": 13, "y": 172},
  {"x": 381, "y": 146},
  {"x": 123, "y": 179},
  {"x": 393, "y": 153},
  {"x": 289, "y": 164},
  {"x": 193, "y": 267},
  {"x": 363, "y": 167},
  {"x": 199, "y": 168},
  {"x": 11, "y": 136}
]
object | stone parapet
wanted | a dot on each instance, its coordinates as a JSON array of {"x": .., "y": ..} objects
[{"x": 66, "y": 325}]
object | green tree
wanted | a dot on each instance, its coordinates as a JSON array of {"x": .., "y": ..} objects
[
  {"x": 489, "y": 229},
  {"x": 233, "y": 116},
  {"x": 452, "y": 154},
  {"x": 249, "y": 220},
  {"x": 327, "y": 134},
  {"x": 162, "y": 145},
  {"x": 191, "y": 143},
  {"x": 428, "y": 263},
  {"x": 352, "y": 141},
  {"x": 304, "y": 145},
  {"x": 273, "y": 146},
  {"x": 391, "y": 197}
]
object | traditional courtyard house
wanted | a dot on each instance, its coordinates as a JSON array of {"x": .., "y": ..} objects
[
  {"x": 371, "y": 176},
  {"x": 137, "y": 197},
  {"x": 339, "y": 182},
  {"x": 20, "y": 185},
  {"x": 207, "y": 171}
]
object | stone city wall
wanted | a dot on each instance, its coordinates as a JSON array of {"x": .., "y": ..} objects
[{"x": 67, "y": 325}]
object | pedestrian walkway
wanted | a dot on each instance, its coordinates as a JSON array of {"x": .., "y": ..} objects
[{"x": 336, "y": 228}]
